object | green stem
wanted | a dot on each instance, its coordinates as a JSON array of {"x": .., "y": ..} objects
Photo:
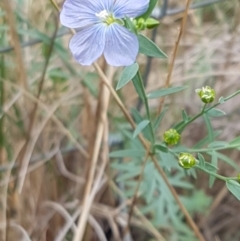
[
  {"x": 217, "y": 175},
  {"x": 204, "y": 110},
  {"x": 204, "y": 107},
  {"x": 145, "y": 101},
  {"x": 214, "y": 149}
]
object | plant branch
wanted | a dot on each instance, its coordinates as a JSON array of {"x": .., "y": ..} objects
[
  {"x": 146, "y": 146},
  {"x": 23, "y": 160},
  {"x": 205, "y": 110},
  {"x": 175, "y": 51},
  {"x": 134, "y": 199}
]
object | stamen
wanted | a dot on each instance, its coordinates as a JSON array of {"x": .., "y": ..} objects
[{"x": 102, "y": 15}]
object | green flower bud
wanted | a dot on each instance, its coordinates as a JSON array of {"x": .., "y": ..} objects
[
  {"x": 141, "y": 24},
  {"x": 186, "y": 160},
  {"x": 171, "y": 137},
  {"x": 151, "y": 23},
  {"x": 238, "y": 176},
  {"x": 207, "y": 94}
]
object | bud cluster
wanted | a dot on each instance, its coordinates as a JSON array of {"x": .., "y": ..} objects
[{"x": 142, "y": 24}]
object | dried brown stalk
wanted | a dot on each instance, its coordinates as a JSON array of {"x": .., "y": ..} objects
[{"x": 175, "y": 51}]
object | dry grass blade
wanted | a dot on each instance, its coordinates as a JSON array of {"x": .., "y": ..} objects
[
  {"x": 65, "y": 172},
  {"x": 175, "y": 51},
  {"x": 24, "y": 158},
  {"x": 134, "y": 200},
  {"x": 18, "y": 227},
  {"x": 96, "y": 226},
  {"x": 67, "y": 226},
  {"x": 19, "y": 62},
  {"x": 87, "y": 202},
  {"x": 52, "y": 116},
  {"x": 60, "y": 209}
]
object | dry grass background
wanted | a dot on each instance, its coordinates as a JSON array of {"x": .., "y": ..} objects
[{"x": 49, "y": 130}]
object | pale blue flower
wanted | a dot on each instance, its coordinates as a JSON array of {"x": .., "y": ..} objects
[{"x": 100, "y": 30}]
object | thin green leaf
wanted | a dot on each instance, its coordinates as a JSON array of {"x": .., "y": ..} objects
[
  {"x": 234, "y": 188},
  {"x": 137, "y": 84},
  {"x": 138, "y": 118},
  {"x": 209, "y": 128},
  {"x": 216, "y": 144},
  {"x": 214, "y": 163},
  {"x": 141, "y": 126},
  {"x": 221, "y": 100},
  {"x": 201, "y": 160},
  {"x": 130, "y": 25},
  {"x": 205, "y": 140},
  {"x": 210, "y": 167},
  {"x": 159, "y": 119},
  {"x": 180, "y": 126},
  {"x": 129, "y": 175},
  {"x": 149, "y": 48},
  {"x": 215, "y": 113},
  {"x": 235, "y": 142},
  {"x": 166, "y": 91},
  {"x": 168, "y": 161},
  {"x": 128, "y": 73},
  {"x": 127, "y": 153},
  {"x": 161, "y": 147},
  {"x": 228, "y": 160},
  {"x": 184, "y": 116}
]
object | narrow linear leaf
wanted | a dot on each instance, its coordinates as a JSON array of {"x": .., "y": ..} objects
[
  {"x": 216, "y": 144},
  {"x": 234, "y": 188},
  {"x": 161, "y": 147},
  {"x": 204, "y": 141},
  {"x": 184, "y": 116},
  {"x": 215, "y": 113},
  {"x": 210, "y": 167},
  {"x": 159, "y": 119},
  {"x": 235, "y": 142},
  {"x": 130, "y": 25},
  {"x": 127, "y": 153},
  {"x": 214, "y": 163},
  {"x": 221, "y": 100},
  {"x": 209, "y": 128},
  {"x": 149, "y": 48},
  {"x": 228, "y": 160},
  {"x": 127, "y": 75},
  {"x": 164, "y": 92},
  {"x": 201, "y": 160},
  {"x": 141, "y": 126},
  {"x": 138, "y": 118},
  {"x": 128, "y": 175},
  {"x": 180, "y": 126},
  {"x": 137, "y": 84}
]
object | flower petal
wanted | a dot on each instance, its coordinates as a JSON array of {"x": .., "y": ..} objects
[
  {"x": 77, "y": 14},
  {"x": 121, "y": 46},
  {"x": 130, "y": 8},
  {"x": 87, "y": 45},
  {"x": 81, "y": 13}
]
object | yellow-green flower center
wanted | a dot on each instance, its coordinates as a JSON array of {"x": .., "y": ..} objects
[{"x": 106, "y": 17}]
